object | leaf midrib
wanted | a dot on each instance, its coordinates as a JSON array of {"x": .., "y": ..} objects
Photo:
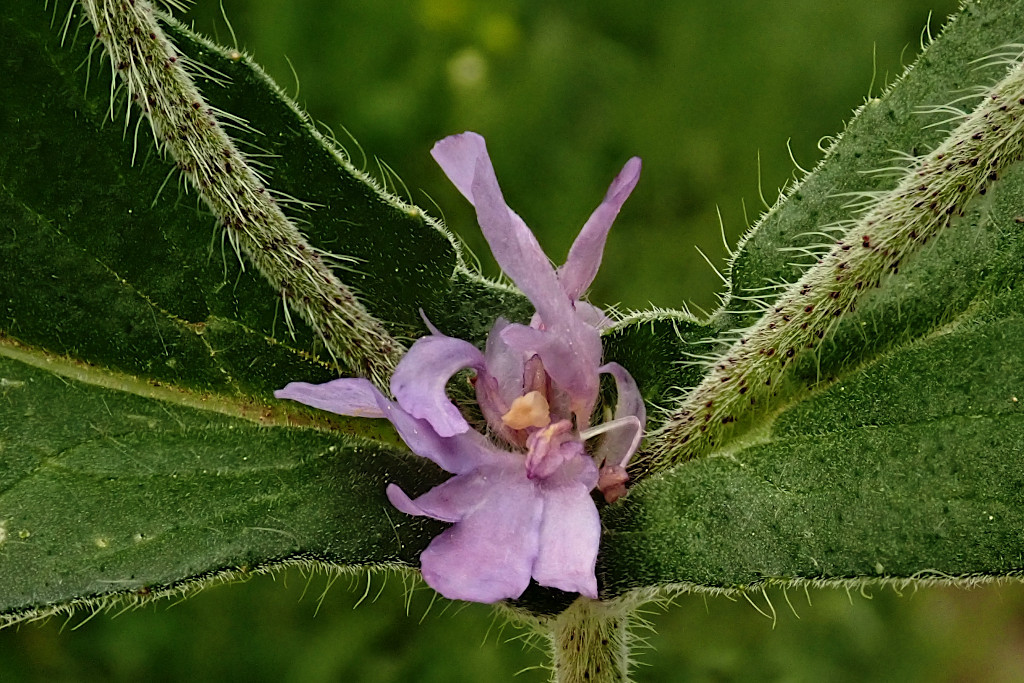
[
  {"x": 763, "y": 432},
  {"x": 251, "y": 409}
]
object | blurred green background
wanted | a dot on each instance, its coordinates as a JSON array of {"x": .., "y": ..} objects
[{"x": 564, "y": 93}]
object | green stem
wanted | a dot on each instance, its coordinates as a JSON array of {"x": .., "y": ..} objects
[
  {"x": 590, "y": 643},
  {"x": 933, "y": 191},
  {"x": 187, "y": 128}
]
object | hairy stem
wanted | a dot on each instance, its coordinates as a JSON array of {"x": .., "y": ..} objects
[
  {"x": 590, "y": 643},
  {"x": 933, "y": 191},
  {"x": 186, "y": 127}
]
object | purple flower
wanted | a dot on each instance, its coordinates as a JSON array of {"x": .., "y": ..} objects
[{"x": 519, "y": 503}]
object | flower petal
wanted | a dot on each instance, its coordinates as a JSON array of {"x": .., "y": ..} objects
[
  {"x": 505, "y": 364},
  {"x": 489, "y": 553},
  {"x": 465, "y": 161},
  {"x": 592, "y": 315},
  {"x": 611, "y": 482},
  {"x": 570, "y": 534},
  {"x": 585, "y": 254},
  {"x": 571, "y": 357},
  {"x": 456, "y": 454},
  {"x": 621, "y": 439},
  {"x": 420, "y": 379},
  {"x": 401, "y": 500},
  {"x": 620, "y": 442},
  {"x": 348, "y": 396},
  {"x": 550, "y": 448},
  {"x": 452, "y": 500},
  {"x": 457, "y": 155}
]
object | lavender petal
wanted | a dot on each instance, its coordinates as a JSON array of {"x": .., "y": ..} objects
[
  {"x": 570, "y": 534},
  {"x": 456, "y": 454},
  {"x": 488, "y": 554},
  {"x": 457, "y": 155},
  {"x": 592, "y": 315},
  {"x": 620, "y": 441},
  {"x": 505, "y": 364},
  {"x": 420, "y": 379},
  {"x": 465, "y": 161},
  {"x": 585, "y": 254},
  {"x": 571, "y": 357},
  {"x": 452, "y": 500},
  {"x": 348, "y": 396}
]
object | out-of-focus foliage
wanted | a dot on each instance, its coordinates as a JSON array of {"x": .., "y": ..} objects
[
  {"x": 566, "y": 92},
  {"x": 266, "y": 631}
]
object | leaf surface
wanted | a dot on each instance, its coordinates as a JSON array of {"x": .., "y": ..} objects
[
  {"x": 895, "y": 449},
  {"x": 141, "y": 449},
  {"x": 140, "y": 444},
  {"x": 107, "y": 492}
]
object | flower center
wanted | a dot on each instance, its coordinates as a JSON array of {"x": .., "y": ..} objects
[
  {"x": 531, "y": 410},
  {"x": 549, "y": 448}
]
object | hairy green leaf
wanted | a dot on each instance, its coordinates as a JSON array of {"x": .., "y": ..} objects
[
  {"x": 105, "y": 249},
  {"x": 105, "y": 491},
  {"x": 913, "y": 466},
  {"x": 894, "y": 449},
  {"x": 116, "y": 285},
  {"x": 141, "y": 450}
]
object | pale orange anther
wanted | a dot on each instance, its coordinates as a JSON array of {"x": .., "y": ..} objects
[{"x": 531, "y": 410}]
